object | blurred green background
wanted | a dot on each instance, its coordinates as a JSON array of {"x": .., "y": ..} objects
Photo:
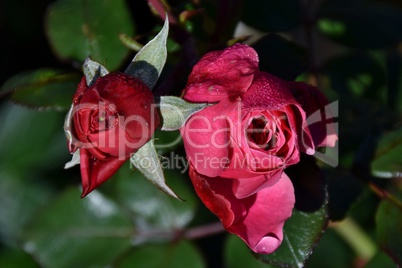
[{"x": 352, "y": 50}]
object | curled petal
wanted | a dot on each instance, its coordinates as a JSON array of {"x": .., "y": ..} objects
[
  {"x": 221, "y": 75},
  {"x": 257, "y": 219},
  {"x": 94, "y": 171},
  {"x": 319, "y": 117}
]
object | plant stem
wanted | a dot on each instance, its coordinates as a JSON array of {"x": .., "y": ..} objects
[
  {"x": 384, "y": 194},
  {"x": 188, "y": 234},
  {"x": 204, "y": 230},
  {"x": 362, "y": 244}
]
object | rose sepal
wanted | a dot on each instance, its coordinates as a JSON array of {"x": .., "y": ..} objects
[
  {"x": 148, "y": 63},
  {"x": 92, "y": 71},
  {"x": 175, "y": 111},
  {"x": 146, "y": 160}
]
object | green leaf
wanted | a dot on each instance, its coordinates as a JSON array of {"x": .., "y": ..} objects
[
  {"x": 152, "y": 210},
  {"x": 380, "y": 260},
  {"x": 148, "y": 63},
  {"x": 74, "y": 232},
  {"x": 166, "y": 141},
  {"x": 93, "y": 70},
  {"x": 389, "y": 228},
  {"x": 146, "y": 160},
  {"x": 179, "y": 255},
  {"x": 332, "y": 252},
  {"x": 33, "y": 140},
  {"x": 77, "y": 29},
  {"x": 361, "y": 24},
  {"x": 175, "y": 111},
  {"x": 271, "y": 15},
  {"x": 237, "y": 254},
  {"x": 16, "y": 258},
  {"x": 387, "y": 162},
  {"x": 281, "y": 57},
  {"x": 20, "y": 199},
  {"x": 42, "y": 89},
  {"x": 300, "y": 235}
]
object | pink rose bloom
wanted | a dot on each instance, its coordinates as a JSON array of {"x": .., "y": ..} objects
[{"x": 239, "y": 147}]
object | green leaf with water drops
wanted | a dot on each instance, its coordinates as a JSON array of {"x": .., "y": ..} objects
[{"x": 48, "y": 89}]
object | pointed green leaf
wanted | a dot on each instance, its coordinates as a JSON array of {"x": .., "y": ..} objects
[
  {"x": 300, "y": 235},
  {"x": 42, "y": 89},
  {"x": 146, "y": 160},
  {"x": 148, "y": 63},
  {"x": 74, "y": 161},
  {"x": 175, "y": 111},
  {"x": 74, "y": 232},
  {"x": 77, "y": 29},
  {"x": 93, "y": 70},
  {"x": 68, "y": 120}
]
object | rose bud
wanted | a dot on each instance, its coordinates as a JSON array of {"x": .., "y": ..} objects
[{"x": 111, "y": 120}]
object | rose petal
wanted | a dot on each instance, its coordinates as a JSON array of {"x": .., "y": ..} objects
[
  {"x": 245, "y": 187},
  {"x": 257, "y": 219},
  {"x": 206, "y": 139},
  {"x": 222, "y": 75},
  {"x": 268, "y": 92},
  {"x": 297, "y": 120},
  {"x": 249, "y": 163},
  {"x": 94, "y": 172},
  {"x": 319, "y": 117},
  {"x": 133, "y": 101},
  {"x": 81, "y": 88}
]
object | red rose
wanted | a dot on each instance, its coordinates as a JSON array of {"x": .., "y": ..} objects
[
  {"x": 111, "y": 120},
  {"x": 239, "y": 147}
]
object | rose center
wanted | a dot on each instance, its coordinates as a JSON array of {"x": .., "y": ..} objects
[
  {"x": 260, "y": 133},
  {"x": 103, "y": 118}
]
